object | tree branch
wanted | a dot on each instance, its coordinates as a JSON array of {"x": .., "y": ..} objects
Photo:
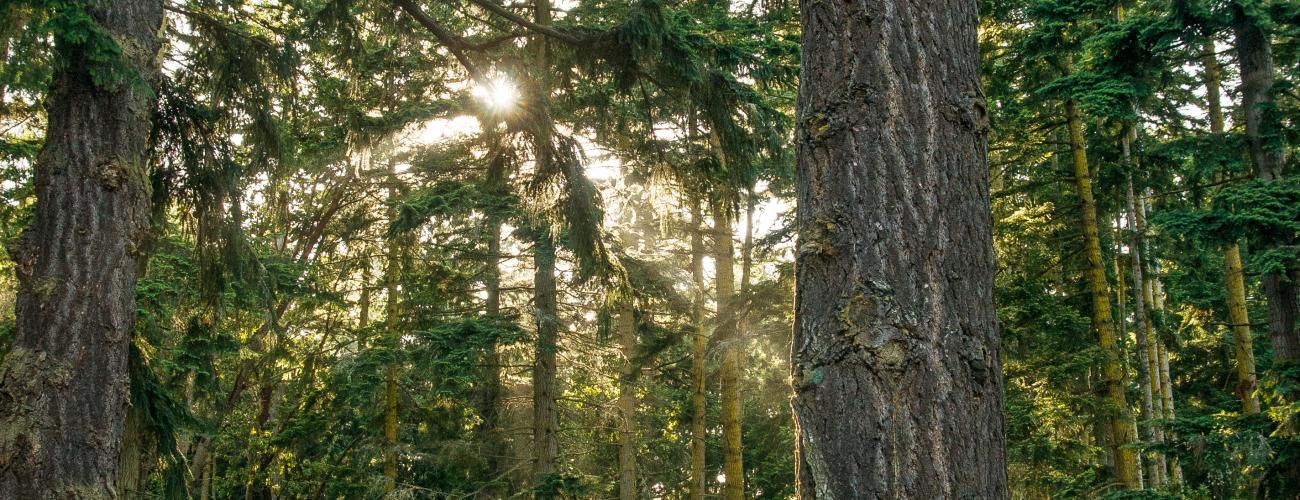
[
  {"x": 454, "y": 44},
  {"x": 499, "y": 10}
]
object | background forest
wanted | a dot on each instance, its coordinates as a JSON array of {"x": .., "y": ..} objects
[{"x": 545, "y": 248}]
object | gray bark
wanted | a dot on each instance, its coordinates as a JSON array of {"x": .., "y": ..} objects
[{"x": 898, "y": 390}]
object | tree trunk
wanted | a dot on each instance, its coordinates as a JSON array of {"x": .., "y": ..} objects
[
  {"x": 393, "y": 269},
  {"x": 64, "y": 382},
  {"x": 627, "y": 428},
  {"x": 1234, "y": 278},
  {"x": 1146, "y": 362},
  {"x": 490, "y": 393},
  {"x": 1167, "y": 394},
  {"x": 390, "y": 428},
  {"x": 1268, "y": 156},
  {"x": 898, "y": 390},
  {"x": 1126, "y": 466},
  {"x": 733, "y": 468},
  {"x": 545, "y": 442},
  {"x": 129, "y": 480},
  {"x": 699, "y": 344}
]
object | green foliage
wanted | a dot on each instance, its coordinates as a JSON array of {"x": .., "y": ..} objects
[{"x": 1264, "y": 212}]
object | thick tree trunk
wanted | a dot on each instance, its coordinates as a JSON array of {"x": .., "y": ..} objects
[
  {"x": 699, "y": 344},
  {"x": 898, "y": 390},
  {"x": 627, "y": 428},
  {"x": 63, "y": 385},
  {"x": 733, "y": 467},
  {"x": 1112, "y": 372}
]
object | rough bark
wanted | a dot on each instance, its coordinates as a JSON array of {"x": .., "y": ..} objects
[
  {"x": 898, "y": 390},
  {"x": 129, "y": 479},
  {"x": 64, "y": 382},
  {"x": 699, "y": 343},
  {"x": 1112, "y": 372}
]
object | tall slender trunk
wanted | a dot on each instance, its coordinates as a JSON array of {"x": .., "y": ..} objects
[
  {"x": 627, "y": 427},
  {"x": 1126, "y": 464},
  {"x": 1162, "y": 365},
  {"x": 490, "y": 393},
  {"x": 699, "y": 344},
  {"x": 898, "y": 390},
  {"x": 1149, "y": 371},
  {"x": 733, "y": 467},
  {"x": 391, "y": 322},
  {"x": 545, "y": 442},
  {"x": 363, "y": 302},
  {"x": 1167, "y": 394},
  {"x": 64, "y": 379},
  {"x": 1146, "y": 362},
  {"x": 1233, "y": 276}
]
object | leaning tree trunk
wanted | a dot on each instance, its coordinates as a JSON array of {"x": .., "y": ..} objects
[
  {"x": 63, "y": 384},
  {"x": 898, "y": 390}
]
